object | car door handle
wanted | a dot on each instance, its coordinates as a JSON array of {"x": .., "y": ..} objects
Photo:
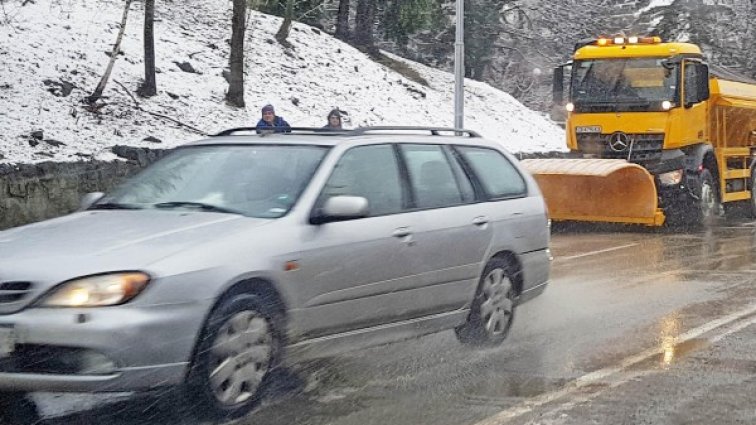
[
  {"x": 402, "y": 232},
  {"x": 480, "y": 221}
]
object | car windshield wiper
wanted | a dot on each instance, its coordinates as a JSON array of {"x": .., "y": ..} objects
[
  {"x": 114, "y": 206},
  {"x": 198, "y": 205}
]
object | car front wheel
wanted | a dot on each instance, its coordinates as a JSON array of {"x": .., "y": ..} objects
[
  {"x": 492, "y": 310},
  {"x": 239, "y": 347}
]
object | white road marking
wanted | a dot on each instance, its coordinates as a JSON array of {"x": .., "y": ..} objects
[
  {"x": 596, "y": 377},
  {"x": 600, "y": 251}
]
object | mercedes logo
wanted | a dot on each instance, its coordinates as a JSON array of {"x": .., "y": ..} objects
[{"x": 619, "y": 141}]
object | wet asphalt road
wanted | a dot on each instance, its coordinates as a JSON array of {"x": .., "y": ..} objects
[{"x": 614, "y": 293}]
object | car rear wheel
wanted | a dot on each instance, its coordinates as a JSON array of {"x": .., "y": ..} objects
[
  {"x": 492, "y": 310},
  {"x": 17, "y": 407},
  {"x": 239, "y": 347}
]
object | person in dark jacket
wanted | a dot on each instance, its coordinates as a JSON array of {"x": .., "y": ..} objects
[
  {"x": 271, "y": 122},
  {"x": 334, "y": 120}
]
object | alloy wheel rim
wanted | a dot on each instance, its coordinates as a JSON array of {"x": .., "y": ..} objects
[
  {"x": 240, "y": 358},
  {"x": 496, "y": 308}
]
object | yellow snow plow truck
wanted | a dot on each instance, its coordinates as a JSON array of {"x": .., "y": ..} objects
[{"x": 655, "y": 135}]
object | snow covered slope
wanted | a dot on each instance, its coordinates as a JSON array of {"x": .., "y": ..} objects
[{"x": 48, "y": 44}]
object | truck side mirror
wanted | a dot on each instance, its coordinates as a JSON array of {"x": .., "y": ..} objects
[
  {"x": 557, "y": 89},
  {"x": 703, "y": 82}
]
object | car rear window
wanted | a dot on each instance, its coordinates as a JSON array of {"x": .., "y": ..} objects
[{"x": 498, "y": 176}]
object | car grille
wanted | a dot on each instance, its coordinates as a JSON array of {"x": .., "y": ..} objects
[
  {"x": 12, "y": 294},
  {"x": 645, "y": 147}
]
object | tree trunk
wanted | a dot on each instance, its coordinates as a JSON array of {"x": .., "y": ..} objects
[
  {"x": 97, "y": 94},
  {"x": 283, "y": 31},
  {"x": 149, "y": 88},
  {"x": 363, "y": 36},
  {"x": 342, "y": 20},
  {"x": 235, "y": 94}
]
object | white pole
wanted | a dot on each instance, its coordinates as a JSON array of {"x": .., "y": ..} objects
[{"x": 459, "y": 68}]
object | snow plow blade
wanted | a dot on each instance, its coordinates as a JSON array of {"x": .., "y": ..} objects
[{"x": 597, "y": 190}]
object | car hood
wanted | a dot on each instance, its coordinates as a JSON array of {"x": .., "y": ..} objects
[{"x": 98, "y": 241}]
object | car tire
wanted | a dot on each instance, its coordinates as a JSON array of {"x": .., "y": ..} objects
[
  {"x": 238, "y": 348},
  {"x": 17, "y": 408},
  {"x": 492, "y": 309}
]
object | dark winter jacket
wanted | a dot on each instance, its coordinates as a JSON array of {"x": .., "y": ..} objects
[{"x": 279, "y": 126}]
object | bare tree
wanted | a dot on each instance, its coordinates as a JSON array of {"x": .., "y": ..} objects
[
  {"x": 97, "y": 94},
  {"x": 365, "y": 18},
  {"x": 283, "y": 31},
  {"x": 342, "y": 20},
  {"x": 235, "y": 94},
  {"x": 149, "y": 88}
]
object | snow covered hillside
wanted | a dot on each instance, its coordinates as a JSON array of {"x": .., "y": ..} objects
[{"x": 53, "y": 52}]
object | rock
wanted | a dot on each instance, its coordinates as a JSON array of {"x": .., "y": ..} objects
[
  {"x": 316, "y": 31},
  {"x": 38, "y": 135},
  {"x": 53, "y": 142},
  {"x": 186, "y": 67},
  {"x": 295, "y": 101},
  {"x": 59, "y": 88},
  {"x": 172, "y": 95},
  {"x": 270, "y": 41},
  {"x": 2, "y": 157},
  {"x": 356, "y": 69},
  {"x": 33, "y": 142},
  {"x": 152, "y": 139}
]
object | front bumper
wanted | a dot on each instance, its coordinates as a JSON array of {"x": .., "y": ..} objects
[{"x": 103, "y": 349}]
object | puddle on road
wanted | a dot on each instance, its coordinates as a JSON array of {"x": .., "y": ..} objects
[
  {"x": 504, "y": 388},
  {"x": 673, "y": 353}
]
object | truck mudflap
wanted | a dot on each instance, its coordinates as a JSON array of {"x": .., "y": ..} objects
[{"x": 597, "y": 190}]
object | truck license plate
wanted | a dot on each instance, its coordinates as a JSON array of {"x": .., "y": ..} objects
[
  {"x": 7, "y": 341},
  {"x": 588, "y": 129}
]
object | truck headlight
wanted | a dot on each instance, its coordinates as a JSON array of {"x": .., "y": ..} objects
[
  {"x": 97, "y": 291},
  {"x": 671, "y": 178}
]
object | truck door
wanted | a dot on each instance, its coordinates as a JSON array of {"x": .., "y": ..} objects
[{"x": 695, "y": 91}]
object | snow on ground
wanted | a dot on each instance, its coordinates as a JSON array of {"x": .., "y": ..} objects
[
  {"x": 69, "y": 41},
  {"x": 654, "y": 4}
]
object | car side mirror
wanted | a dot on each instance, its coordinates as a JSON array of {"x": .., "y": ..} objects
[
  {"x": 89, "y": 199},
  {"x": 340, "y": 208}
]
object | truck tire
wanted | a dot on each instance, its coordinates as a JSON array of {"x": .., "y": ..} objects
[
  {"x": 752, "y": 202},
  {"x": 709, "y": 206}
]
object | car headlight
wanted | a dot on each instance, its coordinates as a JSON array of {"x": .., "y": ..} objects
[
  {"x": 671, "y": 178},
  {"x": 97, "y": 291}
]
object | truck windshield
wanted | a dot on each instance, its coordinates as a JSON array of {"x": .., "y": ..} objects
[{"x": 634, "y": 84}]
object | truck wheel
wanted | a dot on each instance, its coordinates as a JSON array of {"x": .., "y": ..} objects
[
  {"x": 753, "y": 193},
  {"x": 238, "y": 348},
  {"x": 492, "y": 310},
  {"x": 709, "y": 207}
]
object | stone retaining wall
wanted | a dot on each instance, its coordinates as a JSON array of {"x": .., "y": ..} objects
[{"x": 34, "y": 192}]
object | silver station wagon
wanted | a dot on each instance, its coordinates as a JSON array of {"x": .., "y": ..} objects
[{"x": 216, "y": 263}]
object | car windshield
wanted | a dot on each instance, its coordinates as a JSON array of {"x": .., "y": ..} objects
[
  {"x": 640, "y": 81},
  {"x": 262, "y": 181}
]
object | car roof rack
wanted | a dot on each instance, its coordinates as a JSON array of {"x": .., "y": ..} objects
[
  {"x": 283, "y": 130},
  {"x": 436, "y": 131},
  {"x": 320, "y": 131}
]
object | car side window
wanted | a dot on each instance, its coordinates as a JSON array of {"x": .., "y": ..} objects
[
  {"x": 371, "y": 172},
  {"x": 433, "y": 180},
  {"x": 499, "y": 178}
]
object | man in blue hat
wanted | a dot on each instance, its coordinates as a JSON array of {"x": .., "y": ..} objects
[{"x": 271, "y": 122}]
